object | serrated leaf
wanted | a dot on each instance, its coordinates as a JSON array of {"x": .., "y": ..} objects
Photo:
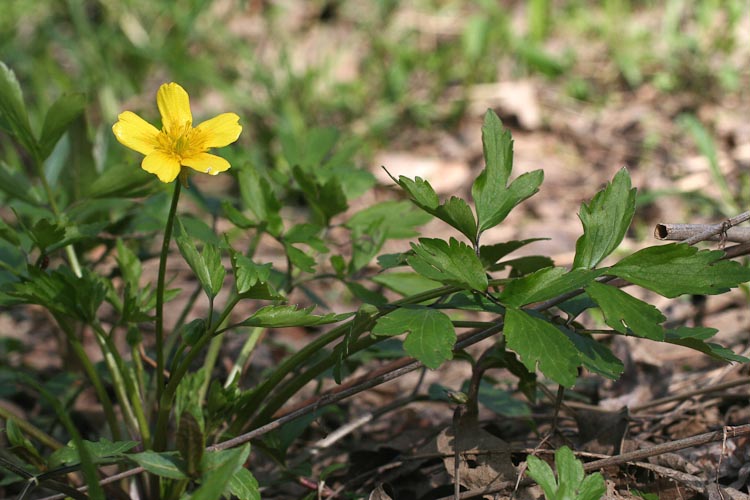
[
  {"x": 220, "y": 467},
  {"x": 399, "y": 218},
  {"x": 283, "y": 316},
  {"x": 676, "y": 269},
  {"x": 45, "y": 234},
  {"x": 451, "y": 263},
  {"x": 431, "y": 335},
  {"x": 129, "y": 264},
  {"x": 326, "y": 199},
  {"x": 538, "y": 342},
  {"x": 623, "y": 311},
  {"x": 405, "y": 283},
  {"x": 59, "y": 116},
  {"x": 13, "y": 116},
  {"x": 366, "y": 243},
  {"x": 493, "y": 197},
  {"x": 605, "y": 221},
  {"x": 190, "y": 443},
  {"x": 235, "y": 216},
  {"x": 244, "y": 486},
  {"x": 166, "y": 464},
  {"x": 545, "y": 284},
  {"x": 299, "y": 259},
  {"x": 420, "y": 191},
  {"x": 247, "y": 273},
  {"x": 594, "y": 356}
]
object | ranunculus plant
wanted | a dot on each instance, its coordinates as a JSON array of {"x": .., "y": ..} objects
[{"x": 175, "y": 421}]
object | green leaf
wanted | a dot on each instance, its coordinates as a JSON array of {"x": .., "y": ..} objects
[
  {"x": 453, "y": 263},
  {"x": 545, "y": 284},
  {"x": 207, "y": 266},
  {"x": 326, "y": 200},
  {"x": 594, "y": 356},
  {"x": 244, "y": 486},
  {"x": 493, "y": 197},
  {"x": 541, "y": 472},
  {"x": 456, "y": 212},
  {"x": 490, "y": 254},
  {"x": 431, "y": 335},
  {"x": 247, "y": 273},
  {"x": 129, "y": 264},
  {"x": 605, "y": 220},
  {"x": 405, "y": 283},
  {"x": 13, "y": 116},
  {"x": 569, "y": 469},
  {"x": 166, "y": 464},
  {"x": 283, "y": 316},
  {"x": 523, "y": 265},
  {"x": 592, "y": 487},
  {"x": 694, "y": 338},
  {"x": 538, "y": 342},
  {"x": 121, "y": 180},
  {"x": 366, "y": 243},
  {"x": 16, "y": 185},
  {"x": 676, "y": 269},
  {"x": 299, "y": 259},
  {"x": 59, "y": 116},
  {"x": 190, "y": 442},
  {"x": 45, "y": 234},
  {"x": 623, "y": 311},
  {"x": 398, "y": 219},
  {"x": 219, "y": 468},
  {"x": 100, "y": 451},
  {"x": 259, "y": 197}
]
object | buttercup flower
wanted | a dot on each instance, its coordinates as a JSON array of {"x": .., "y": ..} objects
[{"x": 178, "y": 144}]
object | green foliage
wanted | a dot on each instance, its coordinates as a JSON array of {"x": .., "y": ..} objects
[
  {"x": 571, "y": 482},
  {"x": 84, "y": 226}
]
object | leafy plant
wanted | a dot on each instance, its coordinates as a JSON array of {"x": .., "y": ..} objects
[
  {"x": 571, "y": 483},
  {"x": 170, "y": 409}
]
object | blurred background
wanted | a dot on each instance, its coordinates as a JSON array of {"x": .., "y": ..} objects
[{"x": 587, "y": 87}]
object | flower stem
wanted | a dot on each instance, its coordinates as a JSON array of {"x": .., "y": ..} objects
[{"x": 160, "y": 293}]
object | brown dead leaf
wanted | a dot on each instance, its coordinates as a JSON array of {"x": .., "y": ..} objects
[
  {"x": 602, "y": 432},
  {"x": 484, "y": 458}
]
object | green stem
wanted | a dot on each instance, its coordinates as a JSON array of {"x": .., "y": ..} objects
[
  {"x": 160, "y": 295},
  {"x": 167, "y": 396},
  {"x": 244, "y": 355},
  {"x": 69, "y": 250},
  {"x": 93, "y": 376}
]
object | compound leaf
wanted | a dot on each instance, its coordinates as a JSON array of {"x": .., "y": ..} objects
[
  {"x": 453, "y": 263},
  {"x": 676, "y": 269}
]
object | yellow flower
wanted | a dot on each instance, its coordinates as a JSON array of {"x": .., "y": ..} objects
[{"x": 178, "y": 143}]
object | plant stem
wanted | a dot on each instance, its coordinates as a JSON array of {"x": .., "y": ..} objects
[{"x": 160, "y": 295}]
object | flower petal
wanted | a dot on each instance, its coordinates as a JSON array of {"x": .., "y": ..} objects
[
  {"x": 174, "y": 106},
  {"x": 218, "y": 131},
  {"x": 136, "y": 133},
  {"x": 164, "y": 165},
  {"x": 206, "y": 163}
]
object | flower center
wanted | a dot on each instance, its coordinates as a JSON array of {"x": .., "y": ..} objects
[{"x": 177, "y": 141}]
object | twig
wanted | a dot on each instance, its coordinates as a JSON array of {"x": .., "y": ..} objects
[
  {"x": 689, "y": 394},
  {"x": 678, "y": 232},
  {"x": 701, "y": 232}
]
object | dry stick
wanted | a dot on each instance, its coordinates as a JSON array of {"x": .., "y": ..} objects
[
  {"x": 401, "y": 367},
  {"x": 689, "y": 394},
  {"x": 679, "y": 232}
]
